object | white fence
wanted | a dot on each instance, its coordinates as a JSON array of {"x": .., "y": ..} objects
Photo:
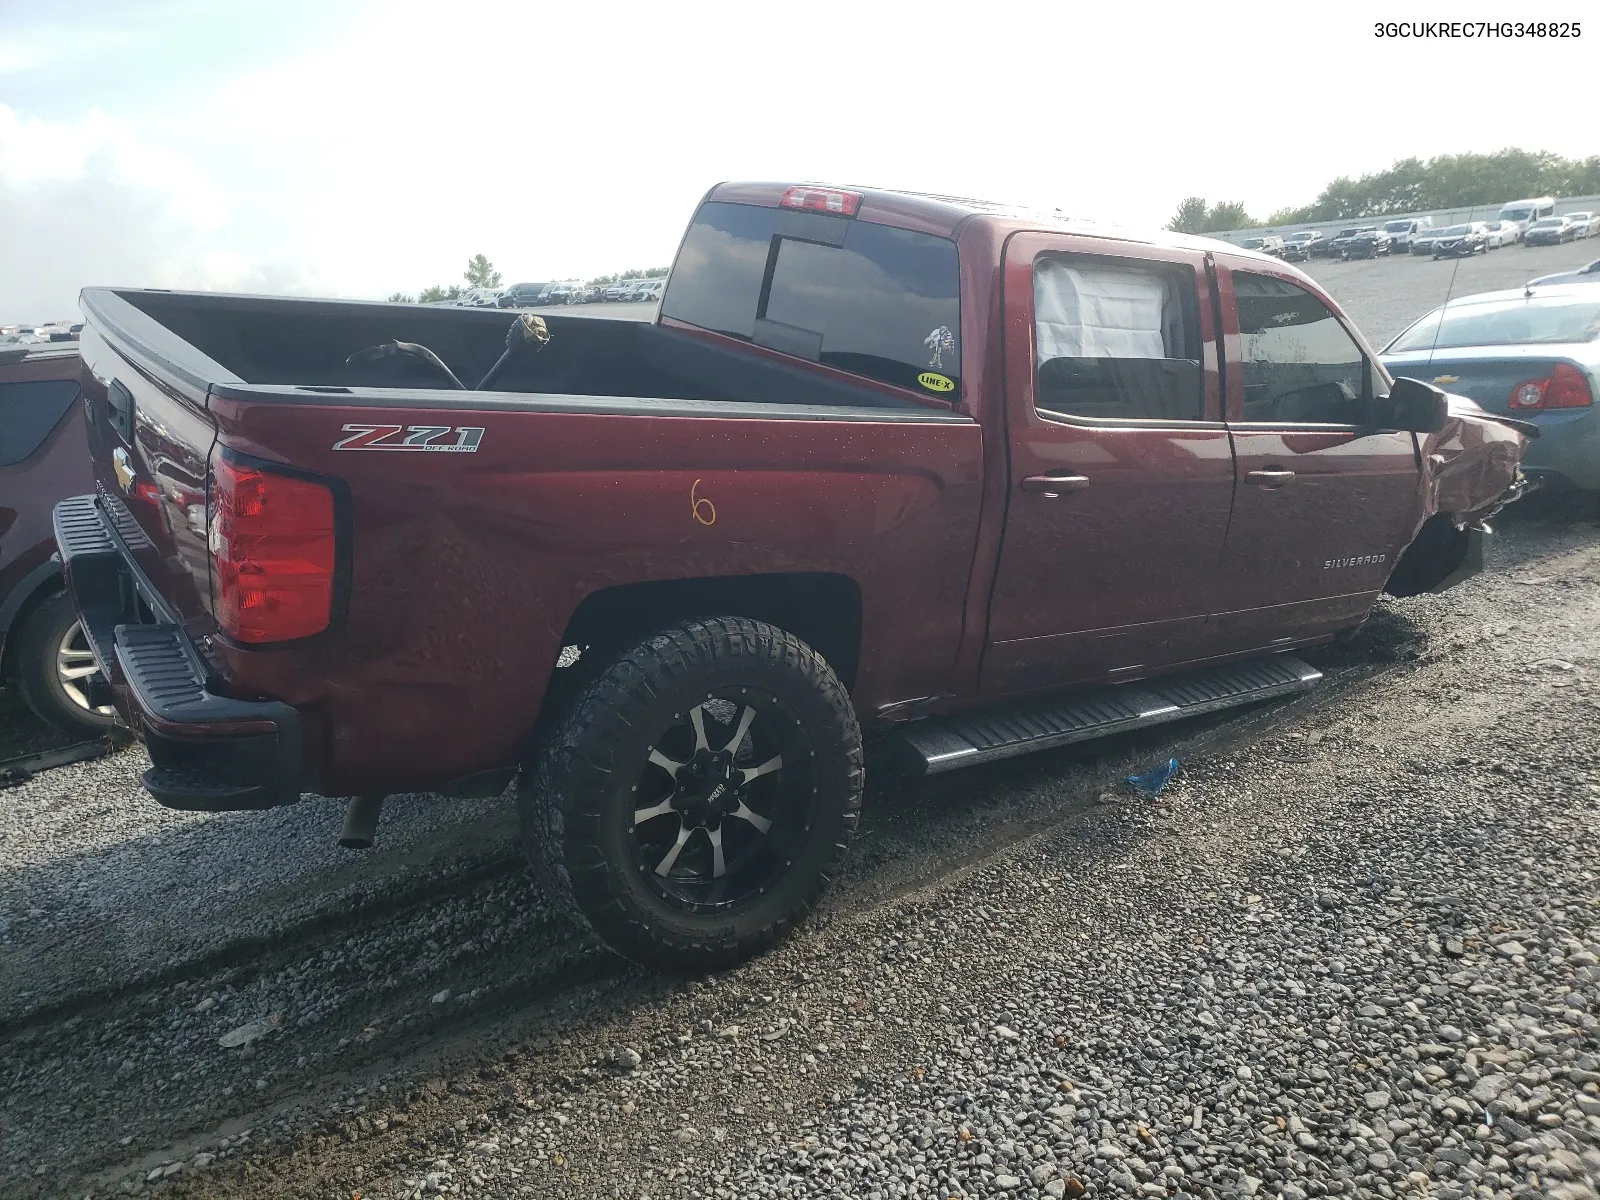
[{"x": 1441, "y": 217}]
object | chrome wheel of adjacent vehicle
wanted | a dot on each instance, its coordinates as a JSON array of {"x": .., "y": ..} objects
[
  {"x": 55, "y": 668},
  {"x": 75, "y": 666}
]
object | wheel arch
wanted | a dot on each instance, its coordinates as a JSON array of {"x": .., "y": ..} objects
[
  {"x": 1438, "y": 551},
  {"x": 823, "y": 609},
  {"x": 37, "y": 586}
]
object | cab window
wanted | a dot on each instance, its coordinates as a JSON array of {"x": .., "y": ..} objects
[
  {"x": 1116, "y": 339},
  {"x": 873, "y": 300},
  {"x": 1300, "y": 364}
]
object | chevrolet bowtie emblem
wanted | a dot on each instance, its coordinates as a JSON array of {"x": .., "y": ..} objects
[
  {"x": 122, "y": 467},
  {"x": 1447, "y": 379}
]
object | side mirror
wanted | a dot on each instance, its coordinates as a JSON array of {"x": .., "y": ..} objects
[{"x": 1413, "y": 406}]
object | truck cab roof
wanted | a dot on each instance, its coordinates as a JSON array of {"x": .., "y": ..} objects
[{"x": 944, "y": 216}]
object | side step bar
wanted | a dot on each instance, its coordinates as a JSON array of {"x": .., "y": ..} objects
[{"x": 945, "y": 743}]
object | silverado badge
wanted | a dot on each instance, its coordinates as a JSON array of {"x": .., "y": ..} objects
[{"x": 1447, "y": 379}]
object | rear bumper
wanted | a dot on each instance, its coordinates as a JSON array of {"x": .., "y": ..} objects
[
  {"x": 1568, "y": 447},
  {"x": 209, "y": 752}
]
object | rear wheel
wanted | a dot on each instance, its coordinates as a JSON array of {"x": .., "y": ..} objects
[
  {"x": 55, "y": 667},
  {"x": 699, "y": 794}
]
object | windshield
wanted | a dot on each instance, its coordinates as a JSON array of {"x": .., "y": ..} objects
[
  {"x": 1253, "y": 243},
  {"x": 1512, "y": 323},
  {"x": 1397, "y": 226},
  {"x": 1548, "y": 222},
  {"x": 1300, "y": 237},
  {"x": 1454, "y": 231},
  {"x": 1516, "y": 214},
  {"x": 1347, "y": 233}
]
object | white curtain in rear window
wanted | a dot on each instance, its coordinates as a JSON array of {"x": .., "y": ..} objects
[{"x": 1102, "y": 312}]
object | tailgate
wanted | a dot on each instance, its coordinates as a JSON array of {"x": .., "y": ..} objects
[{"x": 149, "y": 437}]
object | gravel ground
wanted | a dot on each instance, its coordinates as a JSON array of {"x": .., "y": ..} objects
[{"x": 1350, "y": 922}]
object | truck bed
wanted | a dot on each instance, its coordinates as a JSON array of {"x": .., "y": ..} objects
[{"x": 304, "y": 344}]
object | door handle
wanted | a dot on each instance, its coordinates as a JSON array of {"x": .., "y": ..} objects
[
  {"x": 1051, "y": 486},
  {"x": 1271, "y": 477}
]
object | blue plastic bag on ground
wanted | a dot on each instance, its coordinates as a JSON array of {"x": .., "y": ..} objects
[{"x": 1151, "y": 782}]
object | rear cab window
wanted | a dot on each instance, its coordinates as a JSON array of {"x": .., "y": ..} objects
[{"x": 873, "y": 300}]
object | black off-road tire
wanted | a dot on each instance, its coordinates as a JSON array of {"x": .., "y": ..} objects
[
  {"x": 576, "y": 804},
  {"x": 37, "y": 641}
]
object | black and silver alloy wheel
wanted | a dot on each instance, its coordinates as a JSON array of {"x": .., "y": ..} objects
[
  {"x": 695, "y": 799},
  {"x": 724, "y": 789}
]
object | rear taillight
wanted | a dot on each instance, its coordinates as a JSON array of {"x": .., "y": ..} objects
[
  {"x": 272, "y": 553},
  {"x": 826, "y": 200},
  {"x": 1564, "y": 387}
]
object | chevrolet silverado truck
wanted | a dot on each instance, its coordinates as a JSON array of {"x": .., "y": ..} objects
[{"x": 971, "y": 478}]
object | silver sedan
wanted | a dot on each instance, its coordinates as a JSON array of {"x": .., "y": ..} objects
[{"x": 1531, "y": 353}]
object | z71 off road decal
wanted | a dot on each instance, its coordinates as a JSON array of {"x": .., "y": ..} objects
[{"x": 416, "y": 437}]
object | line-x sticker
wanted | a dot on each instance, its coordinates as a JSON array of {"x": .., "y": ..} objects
[{"x": 416, "y": 437}]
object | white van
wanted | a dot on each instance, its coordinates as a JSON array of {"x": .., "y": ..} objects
[
  {"x": 1402, "y": 231},
  {"x": 1523, "y": 213}
]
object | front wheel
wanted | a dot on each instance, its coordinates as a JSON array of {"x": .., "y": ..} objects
[{"x": 698, "y": 796}]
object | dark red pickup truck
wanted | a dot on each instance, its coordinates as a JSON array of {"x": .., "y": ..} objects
[{"x": 987, "y": 480}]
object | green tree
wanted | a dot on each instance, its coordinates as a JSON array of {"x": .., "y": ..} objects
[
  {"x": 1194, "y": 217},
  {"x": 1230, "y": 215},
  {"x": 436, "y": 293},
  {"x": 480, "y": 272},
  {"x": 400, "y": 298},
  {"x": 1190, "y": 217},
  {"x": 1449, "y": 181}
]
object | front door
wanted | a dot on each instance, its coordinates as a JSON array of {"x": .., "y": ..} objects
[
  {"x": 1121, "y": 474},
  {"x": 1325, "y": 503}
]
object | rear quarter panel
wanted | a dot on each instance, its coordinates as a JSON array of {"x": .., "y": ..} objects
[{"x": 465, "y": 568}]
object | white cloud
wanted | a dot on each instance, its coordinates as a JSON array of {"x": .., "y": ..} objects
[
  {"x": 379, "y": 147},
  {"x": 89, "y": 202}
]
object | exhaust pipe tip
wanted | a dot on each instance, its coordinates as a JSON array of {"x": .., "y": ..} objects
[{"x": 361, "y": 822}]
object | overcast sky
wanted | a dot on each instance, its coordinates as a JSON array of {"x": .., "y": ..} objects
[{"x": 344, "y": 148}]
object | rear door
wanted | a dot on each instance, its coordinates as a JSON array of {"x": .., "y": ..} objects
[
  {"x": 1120, "y": 468},
  {"x": 1324, "y": 503}
]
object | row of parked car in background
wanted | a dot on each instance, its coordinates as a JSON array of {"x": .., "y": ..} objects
[
  {"x": 544, "y": 295},
  {"x": 36, "y": 335},
  {"x": 1531, "y": 222}
]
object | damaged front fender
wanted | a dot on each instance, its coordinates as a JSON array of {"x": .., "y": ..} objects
[{"x": 1471, "y": 469}]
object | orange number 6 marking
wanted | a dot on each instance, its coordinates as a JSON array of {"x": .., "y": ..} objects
[{"x": 707, "y": 516}]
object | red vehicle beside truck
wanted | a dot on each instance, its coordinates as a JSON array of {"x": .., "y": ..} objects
[
  {"x": 43, "y": 458},
  {"x": 979, "y": 479}
]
